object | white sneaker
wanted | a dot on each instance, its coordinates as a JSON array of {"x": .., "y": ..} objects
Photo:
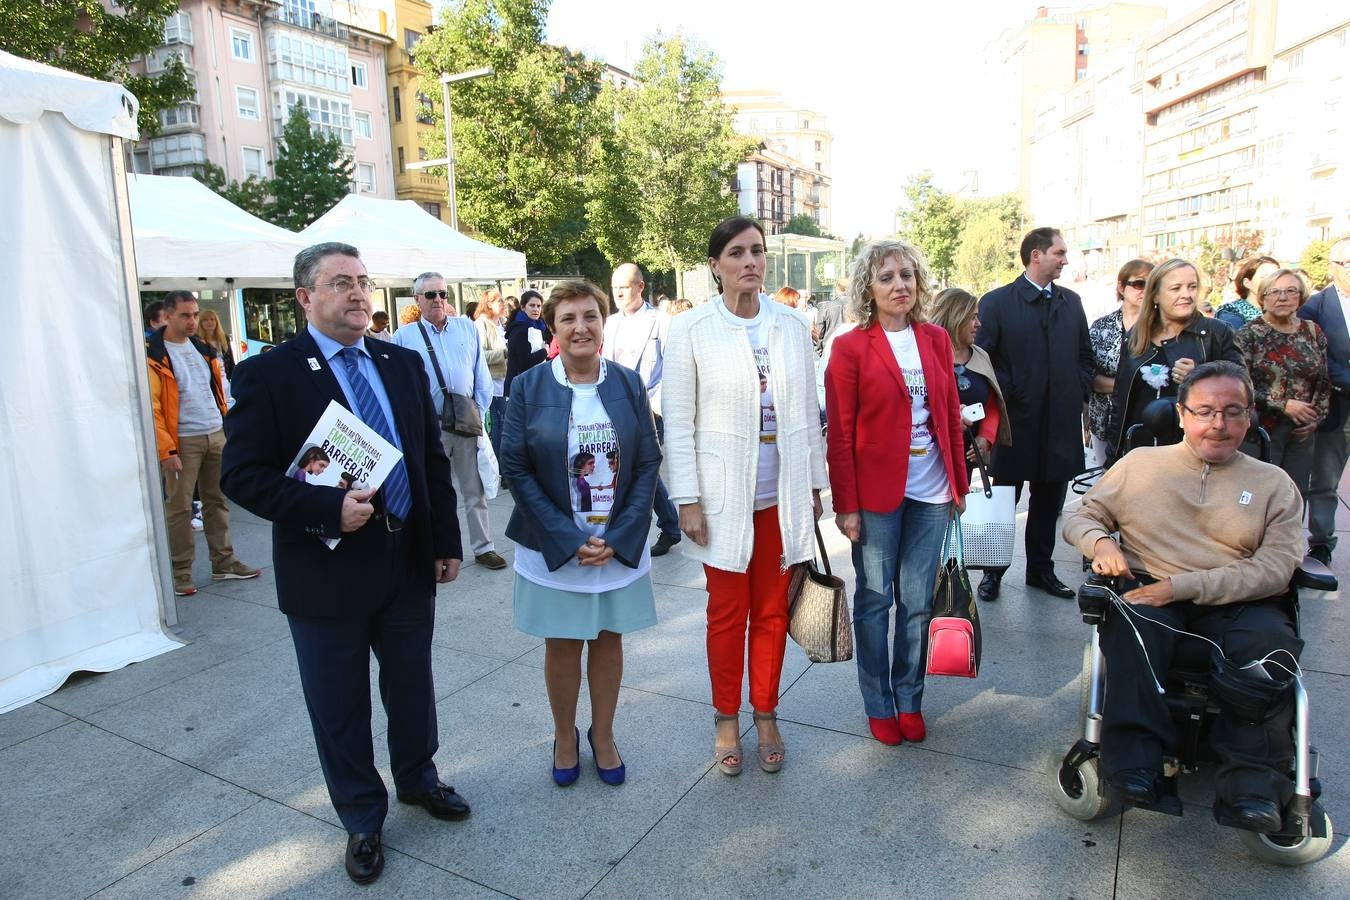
[{"x": 197, "y": 523}]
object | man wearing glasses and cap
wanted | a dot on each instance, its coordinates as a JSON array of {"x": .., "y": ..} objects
[
  {"x": 1330, "y": 309},
  {"x": 453, "y": 356},
  {"x": 376, "y": 589}
]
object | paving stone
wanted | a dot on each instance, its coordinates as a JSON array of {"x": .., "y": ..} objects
[
  {"x": 215, "y": 630},
  {"x": 849, "y": 818},
  {"x": 84, "y": 807},
  {"x": 28, "y": 722},
  {"x": 270, "y": 850}
]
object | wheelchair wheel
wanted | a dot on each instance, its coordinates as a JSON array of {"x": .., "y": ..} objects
[
  {"x": 1079, "y": 792},
  {"x": 1283, "y": 852}
]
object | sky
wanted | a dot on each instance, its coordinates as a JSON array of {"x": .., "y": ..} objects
[{"x": 899, "y": 83}]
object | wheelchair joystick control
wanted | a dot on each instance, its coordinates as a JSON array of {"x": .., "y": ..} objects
[{"x": 1094, "y": 598}]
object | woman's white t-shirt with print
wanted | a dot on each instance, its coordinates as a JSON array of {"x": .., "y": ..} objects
[
  {"x": 593, "y": 464},
  {"x": 927, "y": 481},
  {"x": 757, "y": 331}
]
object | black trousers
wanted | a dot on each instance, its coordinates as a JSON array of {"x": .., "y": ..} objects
[
  {"x": 1043, "y": 508},
  {"x": 1136, "y": 726},
  {"x": 334, "y": 658}
]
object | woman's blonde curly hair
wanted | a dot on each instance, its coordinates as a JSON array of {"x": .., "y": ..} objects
[{"x": 868, "y": 263}]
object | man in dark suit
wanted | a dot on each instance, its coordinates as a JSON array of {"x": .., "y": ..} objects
[
  {"x": 1037, "y": 336},
  {"x": 376, "y": 589},
  {"x": 1330, "y": 309}
]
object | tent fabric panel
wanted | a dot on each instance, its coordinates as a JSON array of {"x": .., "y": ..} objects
[
  {"x": 28, "y": 89},
  {"x": 78, "y": 569}
]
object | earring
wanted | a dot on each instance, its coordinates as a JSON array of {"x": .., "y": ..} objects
[{"x": 867, "y": 308}]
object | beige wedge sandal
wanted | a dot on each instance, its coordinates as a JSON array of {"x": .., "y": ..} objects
[{"x": 723, "y": 755}]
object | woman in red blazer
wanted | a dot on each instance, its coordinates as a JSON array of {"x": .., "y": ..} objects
[{"x": 897, "y": 470}]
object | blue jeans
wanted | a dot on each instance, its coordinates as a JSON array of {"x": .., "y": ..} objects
[
  {"x": 497, "y": 415},
  {"x": 667, "y": 519},
  {"x": 896, "y": 563}
]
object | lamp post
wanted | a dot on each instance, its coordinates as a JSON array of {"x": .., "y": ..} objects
[{"x": 448, "y": 79}]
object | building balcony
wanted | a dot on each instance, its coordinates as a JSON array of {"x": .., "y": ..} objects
[
  {"x": 310, "y": 21},
  {"x": 183, "y": 117}
]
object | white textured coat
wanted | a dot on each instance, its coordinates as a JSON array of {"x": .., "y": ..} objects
[{"x": 711, "y": 405}]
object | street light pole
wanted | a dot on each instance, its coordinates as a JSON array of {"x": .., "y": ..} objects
[{"x": 448, "y": 79}]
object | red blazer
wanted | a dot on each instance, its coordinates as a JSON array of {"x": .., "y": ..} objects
[{"x": 870, "y": 411}]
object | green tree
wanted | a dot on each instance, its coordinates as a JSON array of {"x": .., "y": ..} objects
[
  {"x": 662, "y": 176},
  {"x": 313, "y": 172},
  {"x": 1314, "y": 262},
  {"x": 803, "y": 224},
  {"x": 100, "y": 40},
  {"x": 523, "y": 136},
  {"x": 931, "y": 221},
  {"x": 985, "y": 257},
  {"x": 253, "y": 195}
]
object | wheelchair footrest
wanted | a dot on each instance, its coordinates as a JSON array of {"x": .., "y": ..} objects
[{"x": 1169, "y": 802}]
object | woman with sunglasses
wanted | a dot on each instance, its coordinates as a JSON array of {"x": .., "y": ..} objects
[
  {"x": 1107, "y": 336},
  {"x": 1287, "y": 358},
  {"x": 957, "y": 311}
]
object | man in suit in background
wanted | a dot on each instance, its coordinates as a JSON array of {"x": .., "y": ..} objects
[
  {"x": 376, "y": 589},
  {"x": 1330, "y": 309},
  {"x": 1036, "y": 333}
]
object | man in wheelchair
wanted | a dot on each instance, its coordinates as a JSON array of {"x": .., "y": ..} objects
[{"x": 1209, "y": 540}]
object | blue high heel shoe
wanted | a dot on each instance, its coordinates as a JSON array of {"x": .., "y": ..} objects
[
  {"x": 614, "y": 776},
  {"x": 567, "y": 777}
]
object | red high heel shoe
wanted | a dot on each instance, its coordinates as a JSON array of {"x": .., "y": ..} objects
[
  {"x": 886, "y": 730},
  {"x": 912, "y": 727}
]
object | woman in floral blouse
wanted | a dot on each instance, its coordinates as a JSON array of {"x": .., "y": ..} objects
[
  {"x": 1107, "y": 335},
  {"x": 1287, "y": 358}
]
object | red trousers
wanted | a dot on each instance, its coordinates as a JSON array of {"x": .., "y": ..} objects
[{"x": 757, "y": 595}]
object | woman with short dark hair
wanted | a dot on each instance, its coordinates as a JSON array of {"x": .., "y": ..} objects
[
  {"x": 746, "y": 468},
  {"x": 527, "y": 337},
  {"x": 582, "y": 562},
  {"x": 1107, "y": 336}
]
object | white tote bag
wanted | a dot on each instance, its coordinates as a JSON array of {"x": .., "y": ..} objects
[
  {"x": 988, "y": 526},
  {"x": 488, "y": 470}
]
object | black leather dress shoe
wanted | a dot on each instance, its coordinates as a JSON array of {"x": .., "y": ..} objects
[
  {"x": 1255, "y": 814},
  {"x": 442, "y": 802},
  {"x": 365, "y": 857},
  {"x": 1138, "y": 786},
  {"x": 1051, "y": 585},
  {"x": 988, "y": 589}
]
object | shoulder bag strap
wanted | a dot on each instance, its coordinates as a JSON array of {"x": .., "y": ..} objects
[
  {"x": 984, "y": 466},
  {"x": 820, "y": 544},
  {"x": 440, "y": 379}
]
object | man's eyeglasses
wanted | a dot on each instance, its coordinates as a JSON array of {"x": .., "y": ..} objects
[
  {"x": 1137, "y": 283},
  {"x": 433, "y": 295},
  {"x": 962, "y": 382},
  {"x": 346, "y": 285},
  {"x": 1204, "y": 415},
  {"x": 1282, "y": 292}
]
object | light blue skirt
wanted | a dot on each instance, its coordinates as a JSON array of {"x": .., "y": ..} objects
[{"x": 554, "y": 613}]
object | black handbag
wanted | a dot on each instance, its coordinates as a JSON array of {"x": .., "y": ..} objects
[{"x": 459, "y": 414}]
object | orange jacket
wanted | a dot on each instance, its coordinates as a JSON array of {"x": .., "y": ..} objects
[{"x": 164, "y": 389}]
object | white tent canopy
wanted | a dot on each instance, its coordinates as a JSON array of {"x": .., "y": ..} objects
[
  {"x": 191, "y": 238},
  {"x": 83, "y": 581},
  {"x": 399, "y": 240}
]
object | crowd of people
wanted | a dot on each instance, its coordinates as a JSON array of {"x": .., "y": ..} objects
[{"x": 758, "y": 405}]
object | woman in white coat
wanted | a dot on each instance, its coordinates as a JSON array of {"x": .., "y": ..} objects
[{"x": 747, "y": 464}]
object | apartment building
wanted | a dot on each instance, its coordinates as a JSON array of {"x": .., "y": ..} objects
[
  {"x": 252, "y": 61},
  {"x": 1303, "y": 146},
  {"x": 790, "y": 172},
  {"x": 1045, "y": 56}
]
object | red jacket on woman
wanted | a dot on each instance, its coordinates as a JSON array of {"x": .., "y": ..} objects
[{"x": 870, "y": 412}]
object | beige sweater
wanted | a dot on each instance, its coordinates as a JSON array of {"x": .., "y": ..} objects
[{"x": 1223, "y": 533}]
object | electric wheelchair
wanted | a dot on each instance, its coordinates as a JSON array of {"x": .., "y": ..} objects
[
  {"x": 1075, "y": 780},
  {"x": 1190, "y": 696}
]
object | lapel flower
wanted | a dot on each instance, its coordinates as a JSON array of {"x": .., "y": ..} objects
[{"x": 1155, "y": 375}]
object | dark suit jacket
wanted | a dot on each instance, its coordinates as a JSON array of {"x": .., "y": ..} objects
[
  {"x": 534, "y": 461},
  {"x": 1044, "y": 363},
  {"x": 278, "y": 398},
  {"x": 1324, "y": 308}
]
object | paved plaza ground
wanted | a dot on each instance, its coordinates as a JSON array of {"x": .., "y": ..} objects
[{"x": 194, "y": 774}]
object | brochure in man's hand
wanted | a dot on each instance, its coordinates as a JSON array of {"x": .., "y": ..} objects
[{"x": 342, "y": 451}]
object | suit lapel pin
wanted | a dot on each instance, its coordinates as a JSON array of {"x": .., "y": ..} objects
[
  {"x": 384, "y": 356},
  {"x": 314, "y": 364}
]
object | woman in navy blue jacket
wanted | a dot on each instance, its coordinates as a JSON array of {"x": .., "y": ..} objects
[
  {"x": 580, "y": 453},
  {"x": 527, "y": 338}
]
